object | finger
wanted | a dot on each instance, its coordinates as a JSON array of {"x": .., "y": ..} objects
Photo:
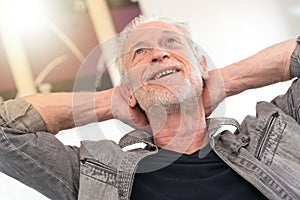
[
  {"x": 124, "y": 91},
  {"x": 213, "y": 92}
]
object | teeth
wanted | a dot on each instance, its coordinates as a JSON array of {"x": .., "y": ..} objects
[{"x": 165, "y": 73}]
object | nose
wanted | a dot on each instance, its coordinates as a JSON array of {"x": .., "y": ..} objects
[{"x": 159, "y": 55}]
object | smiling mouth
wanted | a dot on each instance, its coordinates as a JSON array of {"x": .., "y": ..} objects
[{"x": 165, "y": 73}]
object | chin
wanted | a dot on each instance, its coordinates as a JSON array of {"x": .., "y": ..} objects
[
  {"x": 170, "y": 104},
  {"x": 172, "y": 99}
]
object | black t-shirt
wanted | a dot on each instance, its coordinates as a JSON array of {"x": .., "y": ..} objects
[{"x": 189, "y": 177}]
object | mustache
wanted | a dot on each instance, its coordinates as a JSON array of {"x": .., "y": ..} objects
[{"x": 151, "y": 70}]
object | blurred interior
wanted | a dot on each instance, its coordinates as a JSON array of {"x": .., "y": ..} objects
[{"x": 44, "y": 42}]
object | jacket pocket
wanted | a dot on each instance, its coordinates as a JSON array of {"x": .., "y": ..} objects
[
  {"x": 99, "y": 171},
  {"x": 265, "y": 136},
  {"x": 270, "y": 138},
  {"x": 97, "y": 180}
]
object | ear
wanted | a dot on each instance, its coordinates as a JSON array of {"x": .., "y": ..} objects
[
  {"x": 127, "y": 95},
  {"x": 132, "y": 101},
  {"x": 203, "y": 65}
]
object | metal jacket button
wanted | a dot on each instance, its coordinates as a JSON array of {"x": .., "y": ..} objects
[
  {"x": 234, "y": 147},
  {"x": 245, "y": 139}
]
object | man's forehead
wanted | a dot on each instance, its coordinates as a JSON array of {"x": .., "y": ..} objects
[
  {"x": 144, "y": 31},
  {"x": 159, "y": 24}
]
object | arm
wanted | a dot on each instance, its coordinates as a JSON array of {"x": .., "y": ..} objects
[
  {"x": 65, "y": 110},
  {"x": 20, "y": 115},
  {"x": 268, "y": 66},
  {"x": 29, "y": 154}
]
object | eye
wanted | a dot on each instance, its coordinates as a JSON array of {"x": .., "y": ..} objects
[
  {"x": 139, "y": 51},
  {"x": 171, "y": 41}
]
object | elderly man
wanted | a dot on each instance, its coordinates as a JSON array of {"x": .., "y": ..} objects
[{"x": 185, "y": 154}]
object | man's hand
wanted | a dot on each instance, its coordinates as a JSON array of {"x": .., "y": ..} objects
[
  {"x": 121, "y": 110},
  {"x": 213, "y": 92}
]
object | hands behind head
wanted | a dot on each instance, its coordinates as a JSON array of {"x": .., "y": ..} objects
[
  {"x": 133, "y": 116},
  {"x": 213, "y": 94}
]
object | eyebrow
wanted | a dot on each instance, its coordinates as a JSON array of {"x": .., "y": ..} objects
[
  {"x": 171, "y": 32},
  {"x": 141, "y": 43}
]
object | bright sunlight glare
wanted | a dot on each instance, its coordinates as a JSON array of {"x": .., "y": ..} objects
[{"x": 20, "y": 14}]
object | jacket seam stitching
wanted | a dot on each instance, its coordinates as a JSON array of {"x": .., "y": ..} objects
[
  {"x": 99, "y": 179},
  {"x": 13, "y": 147}
]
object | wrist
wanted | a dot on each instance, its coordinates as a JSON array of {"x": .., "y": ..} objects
[
  {"x": 103, "y": 104},
  {"x": 295, "y": 61}
]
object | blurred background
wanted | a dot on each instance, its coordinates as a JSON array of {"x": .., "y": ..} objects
[{"x": 44, "y": 43}]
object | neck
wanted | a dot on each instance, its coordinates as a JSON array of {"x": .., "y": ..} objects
[{"x": 183, "y": 132}]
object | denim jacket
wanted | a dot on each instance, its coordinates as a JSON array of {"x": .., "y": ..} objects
[{"x": 264, "y": 150}]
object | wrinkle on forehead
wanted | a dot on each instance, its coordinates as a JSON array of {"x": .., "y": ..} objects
[
  {"x": 159, "y": 24},
  {"x": 148, "y": 30}
]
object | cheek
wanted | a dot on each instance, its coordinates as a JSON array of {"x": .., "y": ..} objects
[
  {"x": 135, "y": 78},
  {"x": 188, "y": 60},
  {"x": 195, "y": 79},
  {"x": 142, "y": 96},
  {"x": 186, "y": 54}
]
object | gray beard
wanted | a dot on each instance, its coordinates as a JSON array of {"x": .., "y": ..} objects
[{"x": 183, "y": 99}]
